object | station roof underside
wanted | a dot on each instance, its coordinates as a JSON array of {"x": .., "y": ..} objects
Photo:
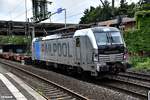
[{"x": 18, "y": 27}]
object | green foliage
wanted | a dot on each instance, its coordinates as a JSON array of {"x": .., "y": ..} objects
[
  {"x": 4, "y": 39},
  {"x": 144, "y": 5},
  {"x": 140, "y": 63},
  {"x": 138, "y": 40},
  {"x": 93, "y": 15},
  {"x": 123, "y": 7},
  {"x": 88, "y": 13},
  {"x": 131, "y": 9},
  {"x": 142, "y": 13},
  {"x": 14, "y": 40},
  {"x": 143, "y": 19},
  {"x": 136, "y": 59},
  {"x": 102, "y": 13}
]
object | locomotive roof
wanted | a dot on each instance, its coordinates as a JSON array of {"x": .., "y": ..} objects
[
  {"x": 81, "y": 32},
  {"x": 94, "y": 30},
  {"x": 104, "y": 29}
]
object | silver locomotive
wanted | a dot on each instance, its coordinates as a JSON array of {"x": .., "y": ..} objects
[{"x": 98, "y": 50}]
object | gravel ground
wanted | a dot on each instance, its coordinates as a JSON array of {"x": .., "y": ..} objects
[{"x": 94, "y": 92}]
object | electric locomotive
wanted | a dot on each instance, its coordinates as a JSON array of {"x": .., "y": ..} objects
[{"x": 97, "y": 50}]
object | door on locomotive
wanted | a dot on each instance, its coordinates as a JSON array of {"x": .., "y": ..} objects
[{"x": 77, "y": 50}]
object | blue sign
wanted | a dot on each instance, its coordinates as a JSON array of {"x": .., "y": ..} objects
[{"x": 59, "y": 10}]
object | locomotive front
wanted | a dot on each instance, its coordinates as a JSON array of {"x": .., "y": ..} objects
[{"x": 111, "y": 55}]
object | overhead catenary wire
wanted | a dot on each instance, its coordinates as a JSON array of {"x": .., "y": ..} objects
[
  {"x": 69, "y": 15},
  {"x": 17, "y": 5},
  {"x": 13, "y": 9},
  {"x": 77, "y": 6},
  {"x": 22, "y": 13},
  {"x": 71, "y": 7}
]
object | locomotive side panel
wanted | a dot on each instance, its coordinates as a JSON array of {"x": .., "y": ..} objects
[
  {"x": 58, "y": 51},
  {"x": 36, "y": 50},
  {"x": 89, "y": 55},
  {"x": 87, "y": 52},
  {"x": 65, "y": 51},
  {"x": 50, "y": 51},
  {"x": 83, "y": 50},
  {"x": 42, "y": 50}
]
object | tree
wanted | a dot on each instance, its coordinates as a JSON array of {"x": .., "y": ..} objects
[
  {"x": 105, "y": 12},
  {"x": 138, "y": 40},
  {"x": 123, "y": 7},
  {"x": 144, "y": 4},
  {"x": 144, "y": 1},
  {"x": 88, "y": 16},
  {"x": 93, "y": 15},
  {"x": 131, "y": 10}
]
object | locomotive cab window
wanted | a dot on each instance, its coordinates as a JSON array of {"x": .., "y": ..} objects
[
  {"x": 77, "y": 42},
  {"x": 105, "y": 38}
]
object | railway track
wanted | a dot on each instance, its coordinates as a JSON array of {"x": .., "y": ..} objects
[
  {"x": 133, "y": 83},
  {"x": 123, "y": 82},
  {"x": 136, "y": 75},
  {"x": 47, "y": 88}
]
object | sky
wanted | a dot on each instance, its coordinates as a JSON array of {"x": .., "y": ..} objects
[{"x": 15, "y": 9}]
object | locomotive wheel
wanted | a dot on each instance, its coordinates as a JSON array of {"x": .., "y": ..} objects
[
  {"x": 79, "y": 70},
  {"x": 116, "y": 68}
]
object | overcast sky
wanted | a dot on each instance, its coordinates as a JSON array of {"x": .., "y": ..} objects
[{"x": 15, "y": 9}]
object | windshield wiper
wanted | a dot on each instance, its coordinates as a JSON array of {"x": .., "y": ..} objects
[
  {"x": 111, "y": 38},
  {"x": 107, "y": 39}
]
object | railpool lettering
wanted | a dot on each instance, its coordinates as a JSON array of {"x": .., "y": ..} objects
[
  {"x": 49, "y": 47},
  {"x": 54, "y": 48},
  {"x": 62, "y": 49},
  {"x": 50, "y": 51},
  {"x": 69, "y": 51},
  {"x": 59, "y": 49}
]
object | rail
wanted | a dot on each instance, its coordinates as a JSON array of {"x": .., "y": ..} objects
[{"x": 56, "y": 89}]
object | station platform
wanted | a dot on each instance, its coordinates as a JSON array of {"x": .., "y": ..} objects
[{"x": 13, "y": 88}]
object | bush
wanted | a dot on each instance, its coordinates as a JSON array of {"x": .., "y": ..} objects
[
  {"x": 140, "y": 63},
  {"x": 137, "y": 40},
  {"x": 14, "y": 40}
]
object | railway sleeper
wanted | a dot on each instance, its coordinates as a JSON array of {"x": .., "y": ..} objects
[
  {"x": 50, "y": 89},
  {"x": 58, "y": 96},
  {"x": 66, "y": 98},
  {"x": 56, "y": 91}
]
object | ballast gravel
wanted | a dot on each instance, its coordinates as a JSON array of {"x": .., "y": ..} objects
[{"x": 89, "y": 90}]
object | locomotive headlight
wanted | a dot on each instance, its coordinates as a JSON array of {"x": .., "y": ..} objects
[{"x": 125, "y": 56}]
